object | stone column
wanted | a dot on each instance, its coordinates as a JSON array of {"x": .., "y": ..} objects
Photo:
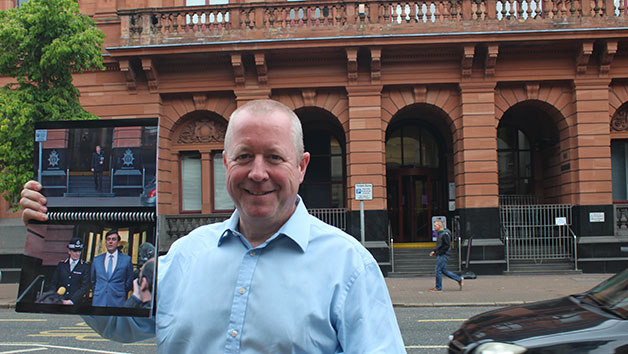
[
  {"x": 206, "y": 182},
  {"x": 475, "y": 148},
  {"x": 589, "y": 157},
  {"x": 366, "y": 162},
  {"x": 475, "y": 161}
]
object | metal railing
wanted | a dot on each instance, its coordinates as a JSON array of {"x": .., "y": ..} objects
[
  {"x": 518, "y": 199},
  {"x": 333, "y": 216},
  {"x": 538, "y": 232},
  {"x": 621, "y": 219}
]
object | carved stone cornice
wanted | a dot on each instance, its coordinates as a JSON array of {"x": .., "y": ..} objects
[
  {"x": 608, "y": 53},
  {"x": 151, "y": 74},
  {"x": 262, "y": 70},
  {"x": 491, "y": 60},
  {"x": 376, "y": 64},
  {"x": 129, "y": 74},
  {"x": 352, "y": 64},
  {"x": 205, "y": 130},
  {"x": 467, "y": 60},
  {"x": 582, "y": 60},
  {"x": 238, "y": 69}
]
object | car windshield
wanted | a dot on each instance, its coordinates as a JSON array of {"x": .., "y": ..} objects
[{"x": 613, "y": 293}]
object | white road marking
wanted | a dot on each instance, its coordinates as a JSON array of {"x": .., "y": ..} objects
[
  {"x": 24, "y": 350},
  {"x": 49, "y": 346}
]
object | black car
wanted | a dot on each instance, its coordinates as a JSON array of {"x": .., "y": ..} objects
[{"x": 595, "y": 321}]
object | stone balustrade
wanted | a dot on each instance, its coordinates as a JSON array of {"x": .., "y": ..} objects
[{"x": 324, "y": 19}]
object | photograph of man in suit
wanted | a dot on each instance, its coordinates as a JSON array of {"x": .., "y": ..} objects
[
  {"x": 112, "y": 274},
  {"x": 72, "y": 275},
  {"x": 98, "y": 164}
]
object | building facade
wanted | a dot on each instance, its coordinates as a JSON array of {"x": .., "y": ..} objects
[{"x": 509, "y": 117}]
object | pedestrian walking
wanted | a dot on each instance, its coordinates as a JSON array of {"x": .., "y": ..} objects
[{"x": 443, "y": 244}]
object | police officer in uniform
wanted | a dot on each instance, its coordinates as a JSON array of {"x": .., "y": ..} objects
[{"x": 72, "y": 274}]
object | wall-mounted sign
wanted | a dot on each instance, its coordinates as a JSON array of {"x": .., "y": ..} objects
[
  {"x": 452, "y": 191},
  {"x": 596, "y": 217},
  {"x": 41, "y": 135},
  {"x": 561, "y": 221}
]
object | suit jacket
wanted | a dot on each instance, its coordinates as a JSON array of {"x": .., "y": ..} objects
[
  {"x": 96, "y": 159},
  {"x": 76, "y": 282},
  {"x": 112, "y": 291}
]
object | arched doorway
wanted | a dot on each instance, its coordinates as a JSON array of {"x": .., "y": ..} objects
[
  {"x": 324, "y": 184},
  {"x": 415, "y": 179},
  {"x": 529, "y": 154}
]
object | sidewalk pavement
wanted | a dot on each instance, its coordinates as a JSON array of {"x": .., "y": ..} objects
[
  {"x": 486, "y": 290},
  {"x": 490, "y": 290}
]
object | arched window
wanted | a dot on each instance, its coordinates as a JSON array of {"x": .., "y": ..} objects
[
  {"x": 411, "y": 146},
  {"x": 515, "y": 162}
]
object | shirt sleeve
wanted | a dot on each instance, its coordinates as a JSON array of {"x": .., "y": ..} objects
[
  {"x": 367, "y": 321},
  {"x": 122, "y": 329}
]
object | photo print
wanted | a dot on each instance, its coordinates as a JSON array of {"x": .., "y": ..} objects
[{"x": 96, "y": 254}]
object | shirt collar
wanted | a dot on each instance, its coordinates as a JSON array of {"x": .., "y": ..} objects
[{"x": 296, "y": 228}]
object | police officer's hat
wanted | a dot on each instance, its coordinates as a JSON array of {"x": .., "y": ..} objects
[{"x": 75, "y": 244}]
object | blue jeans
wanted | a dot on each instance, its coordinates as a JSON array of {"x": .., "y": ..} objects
[{"x": 441, "y": 268}]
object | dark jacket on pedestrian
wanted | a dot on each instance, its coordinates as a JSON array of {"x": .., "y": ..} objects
[{"x": 443, "y": 242}]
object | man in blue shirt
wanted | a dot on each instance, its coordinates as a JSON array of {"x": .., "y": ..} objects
[{"x": 272, "y": 278}]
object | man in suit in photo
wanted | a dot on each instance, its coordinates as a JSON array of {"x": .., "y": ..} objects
[
  {"x": 112, "y": 274},
  {"x": 98, "y": 165},
  {"x": 72, "y": 274}
]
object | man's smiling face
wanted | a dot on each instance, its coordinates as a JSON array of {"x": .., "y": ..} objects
[{"x": 263, "y": 174}]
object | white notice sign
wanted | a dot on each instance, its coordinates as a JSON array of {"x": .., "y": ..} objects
[
  {"x": 41, "y": 135},
  {"x": 596, "y": 217},
  {"x": 363, "y": 191}
]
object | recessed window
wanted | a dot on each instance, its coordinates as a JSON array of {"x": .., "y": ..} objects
[
  {"x": 323, "y": 186},
  {"x": 191, "y": 182},
  {"x": 222, "y": 200},
  {"x": 514, "y": 162}
]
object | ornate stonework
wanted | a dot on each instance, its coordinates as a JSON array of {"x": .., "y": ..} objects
[
  {"x": 203, "y": 131},
  {"x": 619, "y": 123}
]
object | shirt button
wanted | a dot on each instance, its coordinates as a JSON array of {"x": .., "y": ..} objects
[
  {"x": 252, "y": 253},
  {"x": 242, "y": 291},
  {"x": 234, "y": 333}
]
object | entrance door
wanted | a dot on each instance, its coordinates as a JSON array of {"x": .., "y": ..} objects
[
  {"x": 415, "y": 178},
  {"x": 411, "y": 203}
]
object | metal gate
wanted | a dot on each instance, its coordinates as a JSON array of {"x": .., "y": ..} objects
[{"x": 538, "y": 232}]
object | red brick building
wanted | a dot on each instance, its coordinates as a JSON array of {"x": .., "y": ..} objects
[{"x": 453, "y": 108}]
